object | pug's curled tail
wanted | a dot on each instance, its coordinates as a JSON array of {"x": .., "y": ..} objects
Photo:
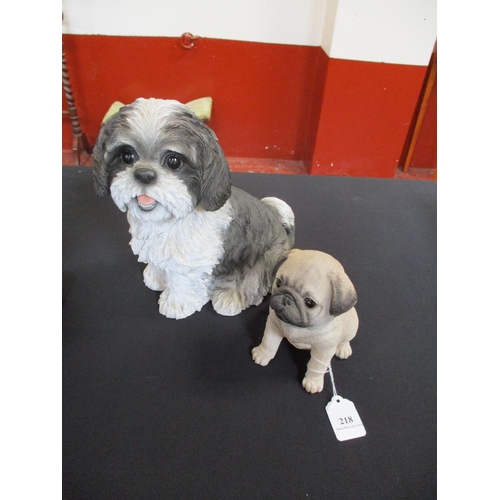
[{"x": 285, "y": 213}]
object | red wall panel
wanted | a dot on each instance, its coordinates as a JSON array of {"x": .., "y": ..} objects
[
  {"x": 271, "y": 101},
  {"x": 263, "y": 93},
  {"x": 366, "y": 111}
]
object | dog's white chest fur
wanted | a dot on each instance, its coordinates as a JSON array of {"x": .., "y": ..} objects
[
  {"x": 181, "y": 255},
  {"x": 194, "y": 242}
]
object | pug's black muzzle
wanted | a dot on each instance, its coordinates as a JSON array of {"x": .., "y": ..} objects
[{"x": 287, "y": 309}]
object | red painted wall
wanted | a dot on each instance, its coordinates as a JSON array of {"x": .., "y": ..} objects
[
  {"x": 366, "y": 112},
  {"x": 270, "y": 100},
  {"x": 262, "y": 93}
]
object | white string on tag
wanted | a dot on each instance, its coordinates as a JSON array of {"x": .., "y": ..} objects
[{"x": 342, "y": 412}]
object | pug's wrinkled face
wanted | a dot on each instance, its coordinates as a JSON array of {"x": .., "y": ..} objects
[{"x": 302, "y": 296}]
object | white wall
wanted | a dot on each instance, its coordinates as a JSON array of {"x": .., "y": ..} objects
[
  {"x": 391, "y": 31},
  {"x": 297, "y": 22}
]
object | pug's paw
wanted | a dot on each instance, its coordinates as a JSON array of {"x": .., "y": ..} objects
[
  {"x": 344, "y": 350},
  {"x": 313, "y": 384},
  {"x": 261, "y": 356}
]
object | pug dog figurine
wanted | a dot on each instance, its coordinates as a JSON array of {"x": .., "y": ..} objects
[{"x": 312, "y": 306}]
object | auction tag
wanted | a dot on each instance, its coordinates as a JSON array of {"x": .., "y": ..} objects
[{"x": 344, "y": 419}]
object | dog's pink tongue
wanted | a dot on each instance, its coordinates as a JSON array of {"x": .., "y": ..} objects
[{"x": 144, "y": 199}]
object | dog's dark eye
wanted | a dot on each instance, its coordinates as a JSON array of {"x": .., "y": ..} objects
[
  {"x": 173, "y": 162},
  {"x": 278, "y": 282},
  {"x": 309, "y": 303},
  {"x": 128, "y": 156}
]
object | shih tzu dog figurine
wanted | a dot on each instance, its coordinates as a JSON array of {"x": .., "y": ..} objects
[
  {"x": 312, "y": 306},
  {"x": 200, "y": 238}
]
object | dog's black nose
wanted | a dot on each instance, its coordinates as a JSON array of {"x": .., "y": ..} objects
[
  {"x": 145, "y": 175},
  {"x": 279, "y": 302}
]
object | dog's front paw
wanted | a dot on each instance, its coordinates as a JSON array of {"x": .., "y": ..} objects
[
  {"x": 343, "y": 350},
  {"x": 313, "y": 384},
  {"x": 155, "y": 278},
  {"x": 176, "y": 309},
  {"x": 227, "y": 302},
  {"x": 261, "y": 356}
]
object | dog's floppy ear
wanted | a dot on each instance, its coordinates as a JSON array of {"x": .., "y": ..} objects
[
  {"x": 102, "y": 177},
  {"x": 215, "y": 186},
  {"x": 344, "y": 296}
]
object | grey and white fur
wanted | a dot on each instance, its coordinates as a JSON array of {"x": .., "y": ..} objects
[{"x": 201, "y": 238}]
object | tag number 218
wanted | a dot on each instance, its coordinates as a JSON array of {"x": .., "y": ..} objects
[{"x": 346, "y": 420}]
